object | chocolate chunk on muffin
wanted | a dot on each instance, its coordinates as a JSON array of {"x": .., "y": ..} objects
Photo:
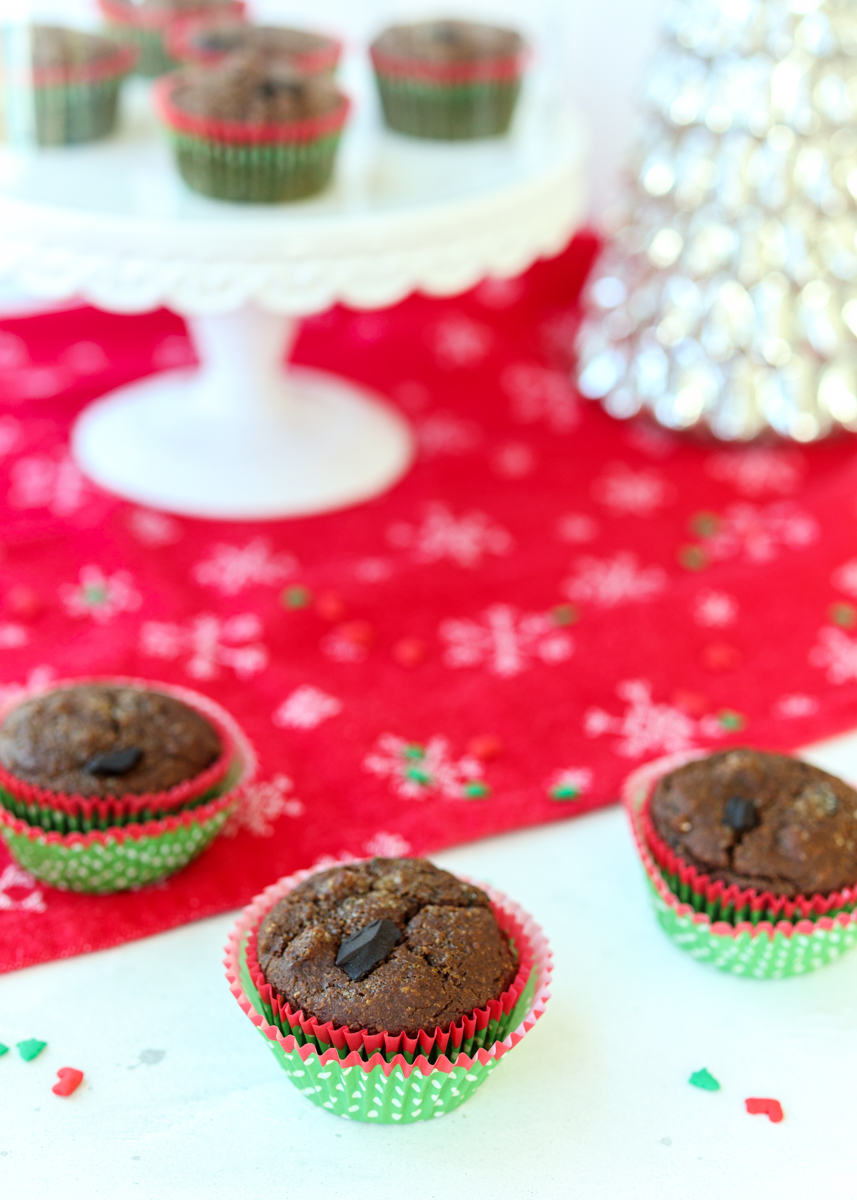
[
  {"x": 431, "y": 950},
  {"x": 762, "y": 821},
  {"x": 104, "y": 740}
]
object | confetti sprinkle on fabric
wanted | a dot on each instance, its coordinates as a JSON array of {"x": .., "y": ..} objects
[
  {"x": 69, "y": 1080},
  {"x": 705, "y": 1080},
  {"x": 31, "y": 1049},
  {"x": 3, "y": 1049},
  {"x": 772, "y": 1109}
]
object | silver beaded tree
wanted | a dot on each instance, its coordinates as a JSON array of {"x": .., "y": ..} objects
[{"x": 728, "y": 295}]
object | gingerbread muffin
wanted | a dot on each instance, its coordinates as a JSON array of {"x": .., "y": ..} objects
[
  {"x": 389, "y": 945},
  {"x": 761, "y": 821}
]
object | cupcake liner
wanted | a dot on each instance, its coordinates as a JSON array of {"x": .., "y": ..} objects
[
  {"x": 401, "y": 1089},
  {"x": 252, "y": 163},
  {"x": 181, "y": 48},
  {"x": 762, "y": 950},
  {"x": 723, "y": 902},
  {"x": 444, "y": 111},
  {"x": 147, "y": 30},
  {"x": 64, "y": 813},
  {"x": 116, "y": 859},
  {"x": 478, "y": 1029},
  {"x": 139, "y": 851}
]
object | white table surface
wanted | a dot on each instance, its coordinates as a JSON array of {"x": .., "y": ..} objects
[{"x": 594, "y": 1103}]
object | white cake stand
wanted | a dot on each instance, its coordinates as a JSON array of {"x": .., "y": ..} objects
[{"x": 240, "y": 437}]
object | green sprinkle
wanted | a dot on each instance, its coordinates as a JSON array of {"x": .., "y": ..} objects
[
  {"x": 733, "y": 721},
  {"x": 705, "y": 524},
  {"x": 476, "y": 790},
  {"x": 3, "y": 1049},
  {"x": 565, "y": 614},
  {"x": 564, "y": 791},
  {"x": 296, "y": 597},
  {"x": 414, "y": 751},
  {"x": 31, "y": 1049},
  {"x": 844, "y": 615},
  {"x": 693, "y": 558},
  {"x": 94, "y": 594},
  {"x": 705, "y": 1080},
  {"x": 418, "y": 776}
]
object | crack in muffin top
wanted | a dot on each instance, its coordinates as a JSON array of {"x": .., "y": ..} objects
[
  {"x": 760, "y": 820},
  {"x": 452, "y": 957}
]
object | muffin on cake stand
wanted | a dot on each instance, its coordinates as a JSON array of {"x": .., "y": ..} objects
[{"x": 239, "y": 437}]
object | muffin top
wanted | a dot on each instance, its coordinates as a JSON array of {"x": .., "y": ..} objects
[
  {"x": 266, "y": 40},
  {"x": 55, "y": 47},
  {"x": 257, "y": 90},
  {"x": 445, "y": 42},
  {"x": 435, "y": 950},
  {"x": 761, "y": 820},
  {"x": 100, "y": 740}
]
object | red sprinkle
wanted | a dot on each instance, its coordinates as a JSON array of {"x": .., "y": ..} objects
[
  {"x": 721, "y": 657},
  {"x": 409, "y": 652},
  {"x": 24, "y": 602},
  {"x": 766, "y": 1108},
  {"x": 485, "y": 748},
  {"x": 330, "y": 607},
  {"x": 359, "y": 632},
  {"x": 70, "y": 1080}
]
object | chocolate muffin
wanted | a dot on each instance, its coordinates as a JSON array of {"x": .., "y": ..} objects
[
  {"x": 65, "y": 50},
  {"x": 145, "y": 24},
  {"x": 418, "y": 949},
  {"x": 762, "y": 821},
  {"x": 448, "y": 41},
  {"x": 210, "y": 41},
  {"x": 104, "y": 740},
  {"x": 257, "y": 91}
]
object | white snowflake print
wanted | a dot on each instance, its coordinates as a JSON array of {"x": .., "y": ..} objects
[
  {"x": 715, "y": 610},
  {"x": 387, "y": 845},
  {"x": 845, "y": 578},
  {"x": 261, "y": 804},
  {"x": 569, "y": 784},
  {"x": 40, "y": 481},
  {"x": 758, "y": 470},
  {"x": 373, "y": 570},
  {"x": 649, "y": 440},
  {"x": 154, "y": 529},
  {"x": 626, "y": 492},
  {"x": 445, "y": 433},
  {"x": 99, "y": 596},
  {"x": 14, "y": 881},
  {"x": 458, "y": 342},
  {"x": 36, "y": 383},
  {"x": 11, "y": 435},
  {"x": 577, "y": 529},
  {"x": 208, "y": 644},
  {"x": 836, "y": 653},
  {"x": 646, "y": 727},
  {"x": 85, "y": 358},
  {"x": 13, "y": 352},
  {"x": 795, "y": 706},
  {"x": 341, "y": 647},
  {"x": 505, "y": 641},
  {"x": 231, "y": 569},
  {"x": 538, "y": 394},
  {"x": 465, "y": 540},
  {"x": 609, "y": 582},
  {"x": 514, "y": 460},
  {"x": 419, "y": 772},
  {"x": 758, "y": 535},
  {"x": 307, "y": 708},
  {"x": 174, "y": 350},
  {"x": 500, "y": 293},
  {"x": 12, "y": 636},
  {"x": 39, "y": 679}
]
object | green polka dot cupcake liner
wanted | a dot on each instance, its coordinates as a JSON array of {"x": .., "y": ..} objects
[
  {"x": 366, "y": 1084},
  {"x": 147, "y": 31},
  {"x": 138, "y": 851},
  {"x": 756, "y": 949},
  {"x": 251, "y": 163}
]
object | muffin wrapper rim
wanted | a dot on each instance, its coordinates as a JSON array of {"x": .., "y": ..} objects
[
  {"x": 110, "y": 66},
  {"x": 217, "y": 129},
  {"x": 261, "y": 905},
  {"x": 172, "y": 799},
  {"x": 487, "y": 70},
  {"x": 182, "y": 30},
  {"x": 636, "y": 792},
  {"x": 125, "y": 13}
]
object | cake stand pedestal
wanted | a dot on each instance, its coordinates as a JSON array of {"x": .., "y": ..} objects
[{"x": 240, "y": 438}]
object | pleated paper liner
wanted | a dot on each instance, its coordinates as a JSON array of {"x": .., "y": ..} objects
[
  {"x": 478, "y": 1029},
  {"x": 757, "y": 950},
  {"x": 249, "y": 162},
  {"x": 183, "y": 46},
  {"x": 61, "y": 813},
  {"x": 375, "y": 1089},
  {"x": 724, "y": 902},
  {"x": 146, "y": 29}
]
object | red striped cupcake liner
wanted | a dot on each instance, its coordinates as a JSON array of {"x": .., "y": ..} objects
[
  {"x": 309, "y": 129},
  {"x": 110, "y": 66},
  {"x": 125, "y": 12},
  {"x": 180, "y": 46}
]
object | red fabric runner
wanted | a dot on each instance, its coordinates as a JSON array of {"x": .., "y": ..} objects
[{"x": 547, "y": 600}]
